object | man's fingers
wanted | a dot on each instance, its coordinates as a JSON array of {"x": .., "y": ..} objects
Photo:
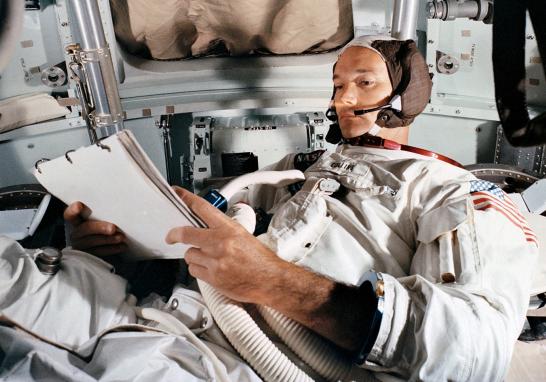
[
  {"x": 179, "y": 191},
  {"x": 197, "y": 257},
  {"x": 197, "y": 263},
  {"x": 94, "y": 227},
  {"x": 198, "y": 237},
  {"x": 76, "y": 213},
  {"x": 92, "y": 241},
  {"x": 210, "y": 215},
  {"x": 72, "y": 213},
  {"x": 108, "y": 250},
  {"x": 198, "y": 272}
]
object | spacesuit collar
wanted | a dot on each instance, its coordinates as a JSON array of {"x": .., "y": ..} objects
[{"x": 368, "y": 140}]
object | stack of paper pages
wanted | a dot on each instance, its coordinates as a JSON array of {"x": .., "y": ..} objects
[{"x": 120, "y": 184}]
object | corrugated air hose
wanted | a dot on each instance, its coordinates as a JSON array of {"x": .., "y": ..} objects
[{"x": 245, "y": 335}]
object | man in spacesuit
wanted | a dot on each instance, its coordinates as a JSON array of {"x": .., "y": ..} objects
[{"x": 410, "y": 263}]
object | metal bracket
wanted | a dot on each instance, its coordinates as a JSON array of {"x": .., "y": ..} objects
[
  {"x": 164, "y": 124},
  {"x": 535, "y": 197},
  {"x": 201, "y": 136},
  {"x": 316, "y": 139},
  {"x": 93, "y": 55},
  {"x": 78, "y": 73},
  {"x": 200, "y": 151}
]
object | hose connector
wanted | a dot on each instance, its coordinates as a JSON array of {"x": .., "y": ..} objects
[
  {"x": 48, "y": 260},
  {"x": 215, "y": 198}
]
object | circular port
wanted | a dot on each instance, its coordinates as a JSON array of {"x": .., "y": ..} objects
[{"x": 53, "y": 77}]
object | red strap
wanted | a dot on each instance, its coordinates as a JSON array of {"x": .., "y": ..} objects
[{"x": 375, "y": 141}]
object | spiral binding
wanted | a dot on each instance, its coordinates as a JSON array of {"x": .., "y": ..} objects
[
  {"x": 37, "y": 163},
  {"x": 67, "y": 157},
  {"x": 103, "y": 146}
]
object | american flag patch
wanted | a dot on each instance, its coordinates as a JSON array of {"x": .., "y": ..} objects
[{"x": 486, "y": 195}]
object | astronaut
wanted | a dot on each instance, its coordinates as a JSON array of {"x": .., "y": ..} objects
[{"x": 395, "y": 254}]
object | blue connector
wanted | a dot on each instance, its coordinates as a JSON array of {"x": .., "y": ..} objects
[{"x": 216, "y": 199}]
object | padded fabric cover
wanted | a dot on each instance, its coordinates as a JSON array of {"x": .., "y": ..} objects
[
  {"x": 174, "y": 29},
  {"x": 28, "y": 109}
]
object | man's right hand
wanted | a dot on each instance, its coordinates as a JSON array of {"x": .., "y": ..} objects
[{"x": 96, "y": 237}]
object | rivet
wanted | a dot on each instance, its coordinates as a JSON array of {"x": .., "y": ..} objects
[{"x": 174, "y": 304}]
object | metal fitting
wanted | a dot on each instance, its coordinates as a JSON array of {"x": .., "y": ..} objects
[
  {"x": 48, "y": 260},
  {"x": 479, "y": 10},
  {"x": 174, "y": 304}
]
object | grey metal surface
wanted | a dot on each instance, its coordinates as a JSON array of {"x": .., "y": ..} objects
[
  {"x": 97, "y": 67},
  {"x": 509, "y": 178},
  {"x": 470, "y": 89},
  {"x": 404, "y": 19},
  {"x": 37, "y": 48},
  {"x": 530, "y": 159},
  {"x": 466, "y": 140},
  {"x": 479, "y": 10},
  {"x": 269, "y": 137},
  {"x": 21, "y": 148},
  {"x": 372, "y": 17},
  {"x": 226, "y": 100},
  {"x": 535, "y": 197},
  {"x": 53, "y": 76},
  {"x": 91, "y": 36}
]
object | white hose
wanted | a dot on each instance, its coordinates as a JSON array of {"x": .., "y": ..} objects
[
  {"x": 175, "y": 326},
  {"x": 245, "y": 335},
  {"x": 243, "y": 214},
  {"x": 275, "y": 178},
  {"x": 249, "y": 340},
  {"x": 321, "y": 355}
]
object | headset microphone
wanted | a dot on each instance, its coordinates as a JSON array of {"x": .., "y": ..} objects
[
  {"x": 395, "y": 103},
  {"x": 365, "y": 111}
]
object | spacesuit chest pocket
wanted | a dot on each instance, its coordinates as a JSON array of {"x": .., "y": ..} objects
[
  {"x": 298, "y": 226},
  {"x": 447, "y": 250},
  {"x": 361, "y": 176},
  {"x": 441, "y": 220}
]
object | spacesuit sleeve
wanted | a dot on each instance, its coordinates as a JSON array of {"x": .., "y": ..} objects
[{"x": 458, "y": 314}]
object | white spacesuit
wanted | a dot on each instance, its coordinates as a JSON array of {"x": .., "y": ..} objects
[
  {"x": 454, "y": 260},
  {"x": 81, "y": 325}
]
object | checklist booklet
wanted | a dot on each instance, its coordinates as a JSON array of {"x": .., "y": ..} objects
[{"x": 120, "y": 184}]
